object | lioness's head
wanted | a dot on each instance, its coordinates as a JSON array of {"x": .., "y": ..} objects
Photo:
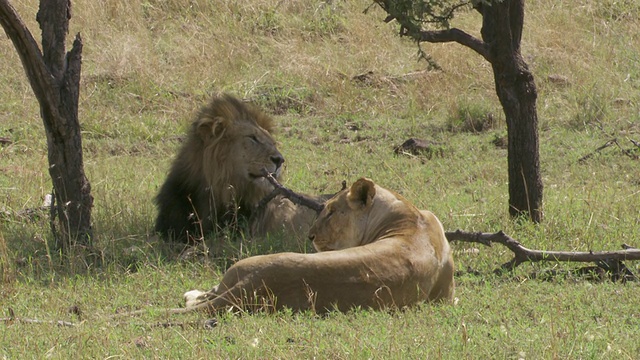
[
  {"x": 343, "y": 221},
  {"x": 360, "y": 215},
  {"x": 238, "y": 145}
]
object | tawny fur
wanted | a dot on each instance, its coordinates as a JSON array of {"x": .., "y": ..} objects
[{"x": 377, "y": 251}]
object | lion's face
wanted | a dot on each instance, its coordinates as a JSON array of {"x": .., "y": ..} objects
[
  {"x": 342, "y": 224},
  {"x": 218, "y": 173},
  {"x": 239, "y": 137},
  {"x": 253, "y": 151}
]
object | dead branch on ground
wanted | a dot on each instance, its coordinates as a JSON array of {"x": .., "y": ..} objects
[
  {"x": 607, "y": 260},
  {"x": 36, "y": 321},
  {"x": 208, "y": 324},
  {"x": 12, "y": 318},
  {"x": 612, "y": 142}
]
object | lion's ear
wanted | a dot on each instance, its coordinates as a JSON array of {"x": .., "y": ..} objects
[
  {"x": 211, "y": 128},
  {"x": 361, "y": 193}
]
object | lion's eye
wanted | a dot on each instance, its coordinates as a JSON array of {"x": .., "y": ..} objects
[
  {"x": 254, "y": 139},
  {"x": 330, "y": 213}
]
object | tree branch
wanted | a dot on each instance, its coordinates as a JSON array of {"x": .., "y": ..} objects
[
  {"x": 36, "y": 321},
  {"x": 454, "y": 35},
  {"x": 410, "y": 27},
  {"x": 296, "y": 198},
  {"x": 516, "y": 23},
  {"x": 612, "y": 142},
  {"x": 53, "y": 17},
  {"x": 523, "y": 254},
  {"x": 12, "y": 318},
  {"x": 600, "y": 148}
]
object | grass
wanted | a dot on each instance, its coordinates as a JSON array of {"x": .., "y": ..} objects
[{"x": 345, "y": 91}]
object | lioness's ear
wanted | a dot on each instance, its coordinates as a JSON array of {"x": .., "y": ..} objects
[
  {"x": 361, "y": 193},
  {"x": 209, "y": 128}
]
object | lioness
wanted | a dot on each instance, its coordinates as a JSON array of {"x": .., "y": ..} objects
[
  {"x": 216, "y": 177},
  {"x": 376, "y": 250}
]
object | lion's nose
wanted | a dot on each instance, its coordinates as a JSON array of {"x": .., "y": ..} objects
[
  {"x": 312, "y": 237},
  {"x": 277, "y": 159}
]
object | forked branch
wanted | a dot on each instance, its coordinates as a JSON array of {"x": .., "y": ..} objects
[{"x": 604, "y": 259}]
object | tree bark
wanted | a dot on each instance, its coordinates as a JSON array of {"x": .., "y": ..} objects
[
  {"x": 516, "y": 90},
  {"x": 54, "y": 76}
]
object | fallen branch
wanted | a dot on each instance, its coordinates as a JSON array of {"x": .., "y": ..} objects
[
  {"x": 600, "y": 148},
  {"x": 629, "y": 152},
  {"x": 36, "y": 321},
  {"x": 608, "y": 260},
  {"x": 609, "y": 143},
  {"x": 208, "y": 324},
  {"x": 12, "y": 318}
]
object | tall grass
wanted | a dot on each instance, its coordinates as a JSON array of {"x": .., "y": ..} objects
[{"x": 345, "y": 90}]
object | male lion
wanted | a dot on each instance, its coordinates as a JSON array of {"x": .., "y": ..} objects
[
  {"x": 376, "y": 250},
  {"x": 217, "y": 175}
]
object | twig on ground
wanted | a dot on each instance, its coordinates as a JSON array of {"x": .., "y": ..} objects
[
  {"x": 13, "y": 318},
  {"x": 180, "y": 324},
  {"x": 609, "y": 143},
  {"x": 628, "y": 152},
  {"x": 600, "y": 148},
  {"x": 36, "y": 321}
]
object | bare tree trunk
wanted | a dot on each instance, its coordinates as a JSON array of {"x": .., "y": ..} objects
[
  {"x": 502, "y": 28},
  {"x": 55, "y": 79},
  {"x": 525, "y": 183}
]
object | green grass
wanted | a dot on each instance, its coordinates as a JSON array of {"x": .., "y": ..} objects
[{"x": 148, "y": 66}]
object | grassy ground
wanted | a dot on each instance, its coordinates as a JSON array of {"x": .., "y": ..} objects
[{"x": 345, "y": 90}]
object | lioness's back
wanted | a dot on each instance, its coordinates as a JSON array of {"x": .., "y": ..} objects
[{"x": 375, "y": 250}]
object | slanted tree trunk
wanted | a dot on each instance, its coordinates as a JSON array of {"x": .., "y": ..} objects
[
  {"x": 502, "y": 29},
  {"x": 54, "y": 75}
]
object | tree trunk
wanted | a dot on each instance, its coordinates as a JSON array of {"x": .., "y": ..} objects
[
  {"x": 55, "y": 79},
  {"x": 502, "y": 29}
]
